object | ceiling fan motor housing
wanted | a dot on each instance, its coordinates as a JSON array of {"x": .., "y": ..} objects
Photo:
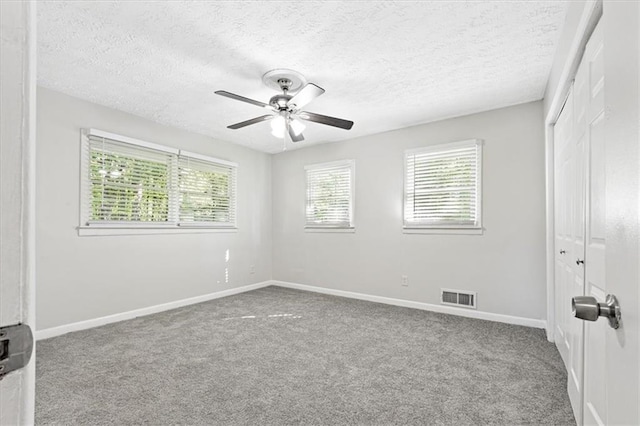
[{"x": 280, "y": 101}]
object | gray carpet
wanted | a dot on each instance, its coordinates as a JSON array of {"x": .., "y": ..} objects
[{"x": 276, "y": 356}]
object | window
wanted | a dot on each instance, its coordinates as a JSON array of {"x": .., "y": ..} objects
[
  {"x": 134, "y": 184},
  {"x": 207, "y": 191},
  {"x": 128, "y": 183},
  {"x": 330, "y": 195},
  {"x": 443, "y": 186}
]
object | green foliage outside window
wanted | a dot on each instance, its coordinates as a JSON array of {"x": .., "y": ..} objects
[
  {"x": 329, "y": 198},
  {"x": 125, "y": 188},
  {"x": 144, "y": 184},
  {"x": 448, "y": 188},
  {"x": 204, "y": 195}
]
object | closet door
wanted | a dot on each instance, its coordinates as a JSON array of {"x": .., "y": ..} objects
[
  {"x": 570, "y": 223},
  {"x": 576, "y": 287},
  {"x": 564, "y": 195},
  {"x": 597, "y": 181}
]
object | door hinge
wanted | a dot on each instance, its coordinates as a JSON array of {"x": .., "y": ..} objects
[{"x": 16, "y": 347}]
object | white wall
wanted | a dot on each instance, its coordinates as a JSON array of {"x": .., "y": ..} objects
[
  {"x": 81, "y": 278},
  {"x": 505, "y": 265}
]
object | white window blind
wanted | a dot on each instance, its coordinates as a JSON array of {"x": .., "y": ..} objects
[
  {"x": 330, "y": 195},
  {"x": 128, "y": 183},
  {"x": 207, "y": 192},
  {"x": 443, "y": 186},
  {"x": 133, "y": 183}
]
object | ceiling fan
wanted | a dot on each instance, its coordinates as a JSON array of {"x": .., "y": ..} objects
[{"x": 285, "y": 109}]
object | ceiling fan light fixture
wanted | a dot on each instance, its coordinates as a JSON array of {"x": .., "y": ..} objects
[
  {"x": 297, "y": 126},
  {"x": 278, "y": 126}
]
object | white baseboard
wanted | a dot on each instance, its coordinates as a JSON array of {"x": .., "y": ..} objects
[
  {"x": 508, "y": 319},
  {"x": 96, "y": 322}
]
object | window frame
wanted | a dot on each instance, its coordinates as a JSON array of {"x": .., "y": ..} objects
[
  {"x": 445, "y": 228},
  {"x": 350, "y": 164},
  {"x": 88, "y": 228},
  {"x": 233, "y": 189}
]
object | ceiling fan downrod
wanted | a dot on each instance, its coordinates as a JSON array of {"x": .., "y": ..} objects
[
  {"x": 281, "y": 102},
  {"x": 285, "y": 84}
]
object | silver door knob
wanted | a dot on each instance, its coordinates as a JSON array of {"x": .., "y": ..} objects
[{"x": 588, "y": 308}]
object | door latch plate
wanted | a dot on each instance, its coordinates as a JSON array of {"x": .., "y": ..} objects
[{"x": 16, "y": 347}]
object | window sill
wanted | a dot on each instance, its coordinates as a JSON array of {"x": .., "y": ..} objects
[
  {"x": 349, "y": 230},
  {"x": 97, "y": 230},
  {"x": 443, "y": 231}
]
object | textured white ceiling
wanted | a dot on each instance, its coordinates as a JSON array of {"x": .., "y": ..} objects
[{"x": 384, "y": 65}]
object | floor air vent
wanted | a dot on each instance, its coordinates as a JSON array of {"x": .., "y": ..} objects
[{"x": 465, "y": 299}]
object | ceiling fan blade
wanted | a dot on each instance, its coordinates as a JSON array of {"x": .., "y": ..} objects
[
  {"x": 308, "y": 93},
  {"x": 242, "y": 99},
  {"x": 250, "y": 122},
  {"x": 292, "y": 134},
  {"x": 324, "y": 119}
]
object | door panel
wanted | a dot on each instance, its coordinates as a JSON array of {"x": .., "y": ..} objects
[
  {"x": 570, "y": 169},
  {"x": 564, "y": 166},
  {"x": 597, "y": 212},
  {"x": 595, "y": 380},
  {"x": 595, "y": 333}
]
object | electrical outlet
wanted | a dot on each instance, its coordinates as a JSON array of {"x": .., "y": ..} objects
[
  {"x": 404, "y": 281},
  {"x": 252, "y": 269}
]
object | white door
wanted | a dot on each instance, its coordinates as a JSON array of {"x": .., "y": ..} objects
[
  {"x": 592, "y": 72},
  {"x": 17, "y": 191},
  {"x": 564, "y": 166},
  {"x": 606, "y": 113},
  {"x": 611, "y": 384},
  {"x": 569, "y": 140}
]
